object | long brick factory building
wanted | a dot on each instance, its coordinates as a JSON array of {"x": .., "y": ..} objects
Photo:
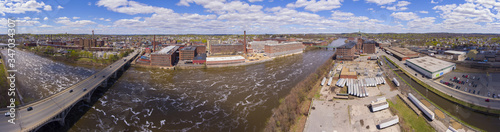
[
  {"x": 273, "y": 50},
  {"x": 402, "y": 53},
  {"x": 346, "y": 51},
  {"x": 165, "y": 57},
  {"x": 226, "y": 49}
]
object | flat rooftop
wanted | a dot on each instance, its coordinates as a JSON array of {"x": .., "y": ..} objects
[
  {"x": 345, "y": 71},
  {"x": 455, "y": 52},
  {"x": 285, "y": 43},
  {"x": 189, "y": 48},
  {"x": 348, "y": 45},
  {"x": 430, "y": 64},
  {"x": 226, "y": 58},
  {"x": 167, "y": 50}
]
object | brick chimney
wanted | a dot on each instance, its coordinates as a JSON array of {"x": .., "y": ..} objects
[
  {"x": 154, "y": 43},
  {"x": 245, "y": 41}
]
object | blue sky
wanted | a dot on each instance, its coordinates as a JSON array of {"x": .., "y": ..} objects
[{"x": 254, "y": 16}]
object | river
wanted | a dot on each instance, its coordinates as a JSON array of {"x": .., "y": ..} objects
[{"x": 219, "y": 99}]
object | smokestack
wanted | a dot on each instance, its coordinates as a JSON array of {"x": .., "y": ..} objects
[
  {"x": 154, "y": 43},
  {"x": 245, "y": 41}
]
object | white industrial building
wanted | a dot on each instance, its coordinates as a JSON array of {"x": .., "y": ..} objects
[
  {"x": 430, "y": 67},
  {"x": 456, "y": 55}
]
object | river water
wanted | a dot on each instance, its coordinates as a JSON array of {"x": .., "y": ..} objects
[
  {"x": 39, "y": 77},
  {"x": 219, "y": 99}
]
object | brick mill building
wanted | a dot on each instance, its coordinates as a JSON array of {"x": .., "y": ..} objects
[
  {"x": 165, "y": 57},
  {"x": 187, "y": 53},
  {"x": 226, "y": 49},
  {"x": 346, "y": 51},
  {"x": 273, "y": 50}
]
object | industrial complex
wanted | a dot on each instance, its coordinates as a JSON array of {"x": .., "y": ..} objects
[{"x": 431, "y": 67}]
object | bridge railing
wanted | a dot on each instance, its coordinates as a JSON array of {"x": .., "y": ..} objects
[{"x": 60, "y": 92}]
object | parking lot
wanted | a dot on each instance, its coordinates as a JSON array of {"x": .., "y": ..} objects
[{"x": 475, "y": 83}]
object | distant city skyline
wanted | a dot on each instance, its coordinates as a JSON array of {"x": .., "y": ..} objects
[{"x": 254, "y": 16}]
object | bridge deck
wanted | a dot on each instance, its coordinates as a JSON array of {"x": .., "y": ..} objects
[{"x": 46, "y": 109}]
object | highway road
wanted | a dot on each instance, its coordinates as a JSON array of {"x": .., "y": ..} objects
[
  {"x": 47, "y": 108},
  {"x": 461, "y": 95}
]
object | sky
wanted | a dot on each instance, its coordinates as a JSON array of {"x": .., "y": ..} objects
[{"x": 254, "y": 16}]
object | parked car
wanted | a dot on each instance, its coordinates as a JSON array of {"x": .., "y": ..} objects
[
  {"x": 84, "y": 89},
  {"x": 487, "y": 100},
  {"x": 488, "y": 94},
  {"x": 71, "y": 91},
  {"x": 7, "y": 114},
  {"x": 30, "y": 108}
]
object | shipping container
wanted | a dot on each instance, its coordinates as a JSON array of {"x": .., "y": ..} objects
[
  {"x": 330, "y": 81},
  {"x": 388, "y": 122},
  {"x": 395, "y": 82},
  {"x": 421, "y": 106},
  {"x": 323, "y": 82}
]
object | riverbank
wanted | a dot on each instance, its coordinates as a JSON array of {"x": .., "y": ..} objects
[
  {"x": 293, "y": 110},
  {"x": 434, "y": 91},
  {"x": 4, "y": 85},
  {"x": 80, "y": 57}
]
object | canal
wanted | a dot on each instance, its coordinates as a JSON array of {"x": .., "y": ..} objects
[
  {"x": 219, "y": 99},
  {"x": 482, "y": 121}
]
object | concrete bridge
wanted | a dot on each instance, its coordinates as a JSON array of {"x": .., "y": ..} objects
[{"x": 57, "y": 106}]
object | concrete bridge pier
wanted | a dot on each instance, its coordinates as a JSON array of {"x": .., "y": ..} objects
[
  {"x": 104, "y": 83},
  {"x": 59, "y": 118},
  {"x": 88, "y": 97},
  {"x": 115, "y": 74}
]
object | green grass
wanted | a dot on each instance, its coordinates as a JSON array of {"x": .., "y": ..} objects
[
  {"x": 4, "y": 85},
  {"x": 410, "y": 120},
  {"x": 449, "y": 98},
  {"x": 86, "y": 60}
]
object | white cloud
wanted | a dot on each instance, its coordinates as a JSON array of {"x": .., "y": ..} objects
[
  {"x": 21, "y": 7},
  {"x": 315, "y": 6},
  {"x": 60, "y": 7},
  {"x": 467, "y": 15},
  {"x": 421, "y": 23},
  {"x": 19, "y": 22},
  {"x": 400, "y": 6},
  {"x": 26, "y": 18},
  {"x": 47, "y": 8},
  {"x": 76, "y": 17},
  {"x": 36, "y": 18},
  {"x": 404, "y": 15},
  {"x": 130, "y": 7},
  {"x": 44, "y": 26},
  {"x": 79, "y": 23},
  {"x": 338, "y": 15},
  {"x": 255, "y": 0},
  {"x": 107, "y": 20},
  {"x": 46, "y": 18},
  {"x": 424, "y": 12},
  {"x": 380, "y": 2}
]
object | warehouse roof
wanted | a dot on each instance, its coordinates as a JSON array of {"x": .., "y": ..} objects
[
  {"x": 430, "y": 64},
  {"x": 167, "y": 50},
  {"x": 189, "y": 48},
  {"x": 455, "y": 52},
  {"x": 348, "y": 45},
  {"x": 345, "y": 71},
  {"x": 227, "y": 58}
]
